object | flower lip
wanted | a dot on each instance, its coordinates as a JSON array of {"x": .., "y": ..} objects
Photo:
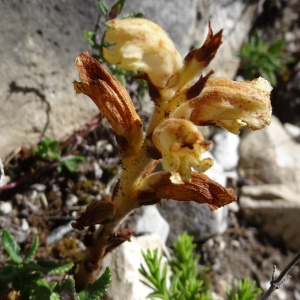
[{"x": 181, "y": 145}]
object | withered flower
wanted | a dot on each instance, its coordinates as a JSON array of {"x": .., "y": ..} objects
[{"x": 112, "y": 100}]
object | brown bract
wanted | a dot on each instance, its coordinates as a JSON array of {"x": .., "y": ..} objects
[
  {"x": 199, "y": 58},
  {"x": 112, "y": 100},
  {"x": 200, "y": 189},
  {"x": 98, "y": 212}
]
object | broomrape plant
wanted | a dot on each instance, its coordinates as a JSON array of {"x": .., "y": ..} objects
[{"x": 183, "y": 99}]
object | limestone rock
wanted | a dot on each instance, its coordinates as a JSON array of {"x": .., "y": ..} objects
[
  {"x": 149, "y": 220},
  {"x": 176, "y": 17},
  {"x": 125, "y": 262},
  {"x": 39, "y": 43},
  {"x": 226, "y": 149},
  {"x": 269, "y": 156},
  {"x": 236, "y": 18},
  {"x": 276, "y": 209}
]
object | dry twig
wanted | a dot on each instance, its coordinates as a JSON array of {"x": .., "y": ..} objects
[{"x": 276, "y": 283}]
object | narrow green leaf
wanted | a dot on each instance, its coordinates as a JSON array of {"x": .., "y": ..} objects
[
  {"x": 53, "y": 268},
  {"x": 30, "y": 254},
  {"x": 11, "y": 246},
  {"x": 103, "y": 7}
]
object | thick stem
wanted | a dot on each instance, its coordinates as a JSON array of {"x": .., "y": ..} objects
[{"x": 125, "y": 201}]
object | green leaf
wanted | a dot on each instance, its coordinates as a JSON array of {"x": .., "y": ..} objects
[
  {"x": 133, "y": 15},
  {"x": 97, "y": 289},
  {"x": 11, "y": 246},
  {"x": 103, "y": 7},
  {"x": 91, "y": 38},
  {"x": 30, "y": 254},
  {"x": 53, "y": 268}
]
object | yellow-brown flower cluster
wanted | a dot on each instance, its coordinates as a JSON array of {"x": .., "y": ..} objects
[{"x": 183, "y": 98}]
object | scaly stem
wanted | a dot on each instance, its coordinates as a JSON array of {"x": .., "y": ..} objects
[{"x": 125, "y": 201}]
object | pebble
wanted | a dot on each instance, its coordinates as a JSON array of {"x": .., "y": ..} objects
[
  {"x": 24, "y": 224},
  {"x": 39, "y": 187},
  {"x": 58, "y": 233},
  {"x": 71, "y": 200},
  {"x": 5, "y": 207}
]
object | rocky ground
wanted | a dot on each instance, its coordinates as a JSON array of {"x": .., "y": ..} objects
[
  {"x": 37, "y": 199},
  {"x": 43, "y": 201}
]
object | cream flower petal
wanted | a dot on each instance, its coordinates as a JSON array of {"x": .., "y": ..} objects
[
  {"x": 181, "y": 145},
  {"x": 141, "y": 45}
]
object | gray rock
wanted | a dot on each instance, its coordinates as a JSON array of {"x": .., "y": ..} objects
[
  {"x": 39, "y": 43},
  {"x": 58, "y": 233},
  {"x": 176, "y": 17},
  {"x": 269, "y": 156},
  {"x": 276, "y": 209},
  {"x": 194, "y": 218},
  {"x": 149, "y": 220},
  {"x": 236, "y": 18},
  {"x": 125, "y": 262}
]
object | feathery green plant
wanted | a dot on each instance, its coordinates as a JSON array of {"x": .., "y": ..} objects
[
  {"x": 187, "y": 281},
  {"x": 246, "y": 290},
  {"x": 182, "y": 279}
]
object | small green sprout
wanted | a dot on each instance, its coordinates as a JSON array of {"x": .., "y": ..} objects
[
  {"x": 262, "y": 59},
  {"x": 246, "y": 290},
  {"x": 49, "y": 151}
]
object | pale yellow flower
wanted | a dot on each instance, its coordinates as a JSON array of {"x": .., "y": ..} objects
[
  {"x": 228, "y": 104},
  {"x": 141, "y": 45}
]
